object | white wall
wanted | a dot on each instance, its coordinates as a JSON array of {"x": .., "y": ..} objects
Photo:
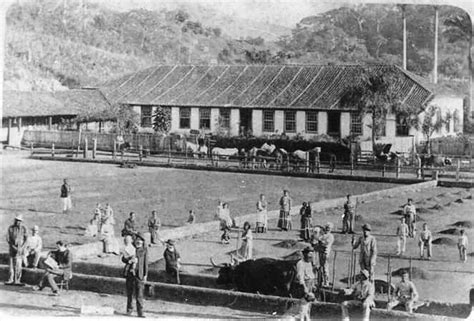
[
  {"x": 322, "y": 123},
  {"x": 174, "y": 119},
  {"x": 257, "y": 122},
  {"x": 234, "y": 121},
  {"x": 300, "y": 121},
  {"x": 390, "y": 126},
  {"x": 345, "y": 124},
  {"x": 279, "y": 121},
  {"x": 194, "y": 118},
  {"x": 214, "y": 119}
]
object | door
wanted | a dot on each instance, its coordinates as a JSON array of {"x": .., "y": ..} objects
[
  {"x": 245, "y": 122},
  {"x": 334, "y": 123}
]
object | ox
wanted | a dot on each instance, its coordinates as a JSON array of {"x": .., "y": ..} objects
[
  {"x": 218, "y": 153},
  {"x": 300, "y": 157},
  {"x": 265, "y": 276},
  {"x": 267, "y": 155},
  {"x": 195, "y": 149},
  {"x": 434, "y": 161}
]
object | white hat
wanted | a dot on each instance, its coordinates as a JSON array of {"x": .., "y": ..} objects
[
  {"x": 35, "y": 228},
  {"x": 19, "y": 218}
]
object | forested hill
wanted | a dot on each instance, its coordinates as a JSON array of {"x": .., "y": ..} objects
[
  {"x": 59, "y": 44},
  {"x": 67, "y": 44}
]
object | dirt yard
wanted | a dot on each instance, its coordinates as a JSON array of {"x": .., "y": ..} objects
[
  {"x": 33, "y": 190},
  {"x": 31, "y": 187}
]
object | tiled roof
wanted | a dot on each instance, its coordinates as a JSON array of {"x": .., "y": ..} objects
[
  {"x": 259, "y": 86},
  {"x": 59, "y": 103}
]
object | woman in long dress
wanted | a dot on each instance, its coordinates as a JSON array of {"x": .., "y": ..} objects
[
  {"x": 284, "y": 222},
  {"x": 245, "y": 251},
  {"x": 262, "y": 216},
  {"x": 305, "y": 213},
  {"x": 111, "y": 244}
]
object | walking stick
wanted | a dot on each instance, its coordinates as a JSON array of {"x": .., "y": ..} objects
[{"x": 389, "y": 280}]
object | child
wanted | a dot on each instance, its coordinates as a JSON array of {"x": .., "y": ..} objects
[
  {"x": 128, "y": 255},
  {"x": 462, "y": 246},
  {"x": 191, "y": 218}
]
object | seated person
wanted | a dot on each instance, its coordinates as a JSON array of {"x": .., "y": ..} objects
[
  {"x": 172, "y": 259},
  {"x": 57, "y": 263},
  {"x": 93, "y": 227},
  {"x": 362, "y": 295},
  {"x": 405, "y": 293},
  {"x": 33, "y": 247}
]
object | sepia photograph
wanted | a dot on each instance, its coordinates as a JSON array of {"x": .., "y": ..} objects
[{"x": 236, "y": 159}]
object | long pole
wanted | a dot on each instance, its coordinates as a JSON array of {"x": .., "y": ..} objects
[
  {"x": 410, "y": 268},
  {"x": 389, "y": 277},
  {"x": 333, "y": 270},
  {"x": 435, "y": 60}
]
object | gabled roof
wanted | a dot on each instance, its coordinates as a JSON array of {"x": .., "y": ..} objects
[
  {"x": 248, "y": 86},
  {"x": 59, "y": 103}
]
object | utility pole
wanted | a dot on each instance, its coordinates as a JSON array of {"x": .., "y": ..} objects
[
  {"x": 435, "y": 67},
  {"x": 403, "y": 7}
]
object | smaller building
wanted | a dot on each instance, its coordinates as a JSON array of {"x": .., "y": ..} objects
[{"x": 47, "y": 111}]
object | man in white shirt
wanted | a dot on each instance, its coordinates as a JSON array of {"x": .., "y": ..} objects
[
  {"x": 402, "y": 233},
  {"x": 405, "y": 293},
  {"x": 361, "y": 295},
  {"x": 425, "y": 241},
  {"x": 462, "y": 246},
  {"x": 304, "y": 280},
  {"x": 33, "y": 247},
  {"x": 409, "y": 211}
]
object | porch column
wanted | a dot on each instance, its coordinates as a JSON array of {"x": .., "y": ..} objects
[
  {"x": 214, "y": 119},
  {"x": 279, "y": 121},
  {"x": 174, "y": 119},
  {"x": 300, "y": 121},
  {"x": 390, "y": 126},
  {"x": 322, "y": 123},
  {"x": 194, "y": 118},
  {"x": 257, "y": 122},
  {"x": 345, "y": 124},
  {"x": 50, "y": 122},
  {"x": 19, "y": 123},
  {"x": 234, "y": 121}
]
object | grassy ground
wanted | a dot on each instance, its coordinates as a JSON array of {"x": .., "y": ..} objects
[{"x": 31, "y": 187}]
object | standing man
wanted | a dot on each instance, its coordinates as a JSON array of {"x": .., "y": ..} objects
[
  {"x": 463, "y": 243},
  {"x": 284, "y": 221},
  {"x": 324, "y": 248},
  {"x": 348, "y": 217},
  {"x": 136, "y": 275},
  {"x": 425, "y": 242},
  {"x": 368, "y": 251},
  {"x": 66, "y": 196},
  {"x": 405, "y": 293},
  {"x": 409, "y": 211},
  {"x": 304, "y": 280},
  {"x": 362, "y": 295},
  {"x": 129, "y": 226},
  {"x": 33, "y": 247},
  {"x": 62, "y": 268},
  {"x": 154, "y": 225},
  {"x": 16, "y": 238},
  {"x": 172, "y": 260},
  {"x": 402, "y": 233}
]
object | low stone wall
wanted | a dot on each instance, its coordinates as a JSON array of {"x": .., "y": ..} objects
[{"x": 205, "y": 296}]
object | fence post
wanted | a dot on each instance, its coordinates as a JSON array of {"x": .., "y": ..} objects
[
  {"x": 458, "y": 168},
  {"x": 86, "y": 147},
  {"x": 31, "y": 148},
  {"x": 78, "y": 150},
  {"x": 114, "y": 150},
  {"x": 307, "y": 162},
  {"x": 389, "y": 281},
  {"x": 169, "y": 152},
  {"x": 140, "y": 153},
  {"x": 398, "y": 168},
  {"x": 349, "y": 269},
  {"x": 333, "y": 270},
  {"x": 94, "y": 147},
  {"x": 185, "y": 155},
  {"x": 383, "y": 170},
  {"x": 410, "y": 267},
  {"x": 352, "y": 166},
  {"x": 52, "y": 150}
]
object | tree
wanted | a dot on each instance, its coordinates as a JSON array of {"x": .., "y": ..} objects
[
  {"x": 162, "y": 120},
  {"x": 376, "y": 93},
  {"x": 459, "y": 27},
  {"x": 432, "y": 122}
]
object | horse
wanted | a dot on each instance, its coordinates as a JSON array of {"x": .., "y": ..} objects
[{"x": 226, "y": 153}]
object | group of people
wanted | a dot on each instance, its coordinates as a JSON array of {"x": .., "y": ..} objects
[{"x": 103, "y": 224}]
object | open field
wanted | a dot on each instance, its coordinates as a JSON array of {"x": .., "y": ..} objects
[{"x": 31, "y": 187}]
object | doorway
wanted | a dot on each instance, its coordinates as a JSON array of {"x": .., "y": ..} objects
[
  {"x": 245, "y": 122},
  {"x": 334, "y": 123}
]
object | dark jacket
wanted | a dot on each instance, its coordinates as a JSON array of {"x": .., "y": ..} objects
[
  {"x": 64, "y": 260},
  {"x": 16, "y": 239},
  {"x": 129, "y": 227},
  {"x": 65, "y": 190},
  {"x": 141, "y": 268},
  {"x": 171, "y": 259}
]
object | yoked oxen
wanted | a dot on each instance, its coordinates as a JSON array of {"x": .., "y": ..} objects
[
  {"x": 435, "y": 161},
  {"x": 299, "y": 158},
  {"x": 264, "y": 276},
  {"x": 268, "y": 155}
]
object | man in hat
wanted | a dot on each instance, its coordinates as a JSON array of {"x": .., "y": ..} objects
[
  {"x": 368, "y": 250},
  {"x": 66, "y": 196},
  {"x": 33, "y": 247},
  {"x": 62, "y": 267},
  {"x": 136, "y": 276},
  {"x": 361, "y": 295},
  {"x": 16, "y": 238},
  {"x": 172, "y": 259},
  {"x": 304, "y": 281},
  {"x": 324, "y": 249},
  {"x": 348, "y": 216},
  {"x": 405, "y": 293}
]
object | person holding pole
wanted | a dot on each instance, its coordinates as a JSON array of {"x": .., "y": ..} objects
[
  {"x": 348, "y": 216},
  {"x": 368, "y": 250},
  {"x": 405, "y": 293}
]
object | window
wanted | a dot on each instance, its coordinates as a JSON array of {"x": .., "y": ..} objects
[
  {"x": 312, "y": 121},
  {"x": 224, "y": 114},
  {"x": 146, "y": 113},
  {"x": 290, "y": 121},
  {"x": 204, "y": 118},
  {"x": 356, "y": 123},
  {"x": 268, "y": 121},
  {"x": 184, "y": 117},
  {"x": 402, "y": 126}
]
